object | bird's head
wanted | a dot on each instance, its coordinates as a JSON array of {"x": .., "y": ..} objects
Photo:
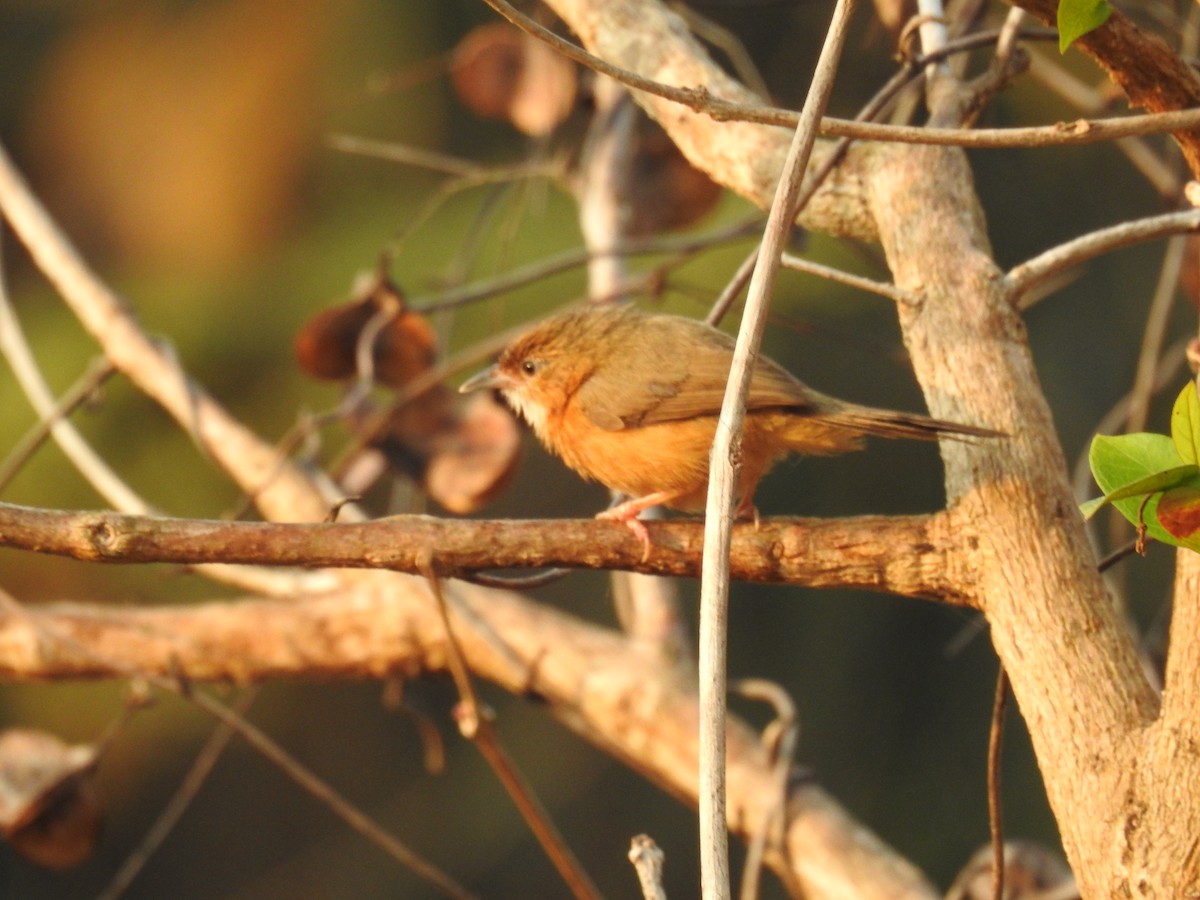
[{"x": 540, "y": 371}]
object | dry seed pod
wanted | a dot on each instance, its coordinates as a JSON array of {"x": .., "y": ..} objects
[
  {"x": 326, "y": 346},
  {"x": 49, "y": 810},
  {"x": 501, "y": 73},
  {"x": 1031, "y": 872},
  {"x": 460, "y": 450},
  {"x": 666, "y": 191},
  {"x": 462, "y": 454}
]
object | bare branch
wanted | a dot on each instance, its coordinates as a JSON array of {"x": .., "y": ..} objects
[
  {"x": 180, "y": 800},
  {"x": 51, "y": 638},
  {"x": 647, "y": 860},
  {"x": 916, "y": 556},
  {"x": 86, "y": 460},
  {"x": 477, "y": 723},
  {"x": 723, "y": 466},
  {"x": 1021, "y": 279},
  {"x": 280, "y": 488},
  {"x": 890, "y": 291}
]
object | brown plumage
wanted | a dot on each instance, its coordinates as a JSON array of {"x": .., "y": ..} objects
[{"x": 631, "y": 399}]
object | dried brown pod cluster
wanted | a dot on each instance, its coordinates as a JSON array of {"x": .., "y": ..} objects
[
  {"x": 460, "y": 451},
  {"x": 502, "y": 73}
]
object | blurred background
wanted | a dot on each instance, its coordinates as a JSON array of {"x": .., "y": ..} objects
[{"x": 187, "y": 148}]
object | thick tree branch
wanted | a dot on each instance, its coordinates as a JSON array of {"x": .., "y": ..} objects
[
  {"x": 1073, "y": 666},
  {"x": 914, "y": 556}
]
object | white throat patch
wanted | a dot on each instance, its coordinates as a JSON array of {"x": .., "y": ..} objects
[{"x": 533, "y": 413}]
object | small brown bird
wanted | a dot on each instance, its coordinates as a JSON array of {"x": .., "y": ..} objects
[{"x": 631, "y": 399}]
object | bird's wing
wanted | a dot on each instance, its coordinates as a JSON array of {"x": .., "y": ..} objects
[{"x": 680, "y": 375}]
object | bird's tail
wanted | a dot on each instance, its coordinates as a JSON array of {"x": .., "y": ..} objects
[
  {"x": 842, "y": 429},
  {"x": 867, "y": 421}
]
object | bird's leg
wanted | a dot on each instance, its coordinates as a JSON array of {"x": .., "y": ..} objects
[
  {"x": 629, "y": 511},
  {"x": 747, "y": 510}
]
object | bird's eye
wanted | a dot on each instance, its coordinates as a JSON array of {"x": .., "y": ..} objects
[{"x": 529, "y": 367}]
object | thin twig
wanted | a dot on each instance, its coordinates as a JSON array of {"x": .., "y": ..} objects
[
  {"x": 779, "y": 740},
  {"x": 1154, "y": 333},
  {"x": 995, "y": 806},
  {"x": 526, "y": 583},
  {"x": 84, "y": 388},
  {"x": 714, "y": 584},
  {"x": 477, "y": 722},
  {"x": 1127, "y": 549},
  {"x": 412, "y": 156},
  {"x": 1010, "y": 34},
  {"x": 647, "y": 859},
  {"x": 883, "y": 289},
  {"x": 87, "y": 461},
  {"x": 574, "y": 259},
  {"x": 495, "y": 178},
  {"x": 720, "y": 37},
  {"x": 335, "y": 802},
  {"x": 187, "y": 790},
  {"x": 732, "y": 288}
]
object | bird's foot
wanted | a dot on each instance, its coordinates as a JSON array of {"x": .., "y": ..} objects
[{"x": 628, "y": 513}]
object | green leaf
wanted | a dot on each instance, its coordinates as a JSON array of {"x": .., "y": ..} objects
[
  {"x": 1185, "y": 424},
  {"x": 1151, "y": 484},
  {"x": 1121, "y": 461},
  {"x": 1077, "y": 17},
  {"x": 1090, "y": 507}
]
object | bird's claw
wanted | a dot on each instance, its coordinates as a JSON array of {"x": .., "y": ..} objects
[{"x": 633, "y": 523}]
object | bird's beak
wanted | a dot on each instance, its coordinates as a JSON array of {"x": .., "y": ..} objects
[{"x": 490, "y": 378}]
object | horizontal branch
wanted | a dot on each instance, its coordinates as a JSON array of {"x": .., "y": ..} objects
[
  {"x": 908, "y": 555},
  {"x": 723, "y": 109}
]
